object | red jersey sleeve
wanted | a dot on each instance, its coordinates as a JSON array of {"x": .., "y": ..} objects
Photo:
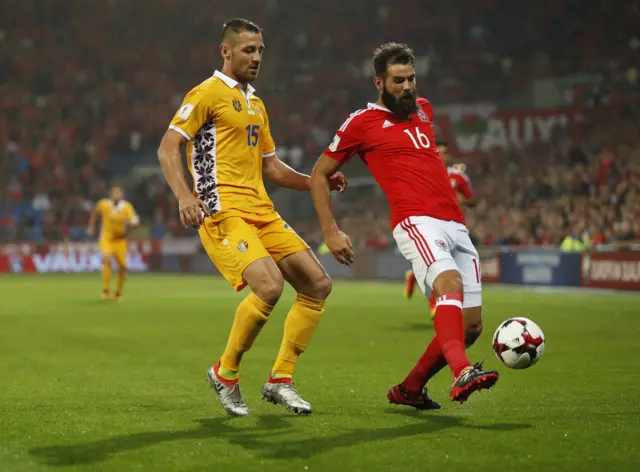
[
  {"x": 347, "y": 140},
  {"x": 460, "y": 182}
]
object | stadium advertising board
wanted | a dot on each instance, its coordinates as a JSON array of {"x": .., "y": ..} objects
[
  {"x": 51, "y": 262},
  {"x": 614, "y": 270},
  {"x": 546, "y": 267},
  {"x": 67, "y": 257},
  {"x": 540, "y": 267},
  {"x": 490, "y": 266}
]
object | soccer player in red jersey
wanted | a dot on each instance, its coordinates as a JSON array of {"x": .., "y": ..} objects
[
  {"x": 396, "y": 140},
  {"x": 461, "y": 184}
]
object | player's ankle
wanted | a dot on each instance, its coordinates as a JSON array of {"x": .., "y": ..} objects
[
  {"x": 410, "y": 387},
  {"x": 225, "y": 375},
  {"x": 276, "y": 377},
  {"x": 461, "y": 370}
]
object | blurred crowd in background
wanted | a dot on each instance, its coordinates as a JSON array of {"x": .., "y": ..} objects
[{"x": 88, "y": 89}]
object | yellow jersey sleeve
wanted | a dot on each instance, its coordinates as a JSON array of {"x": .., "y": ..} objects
[
  {"x": 196, "y": 110},
  {"x": 268, "y": 144},
  {"x": 100, "y": 206}
]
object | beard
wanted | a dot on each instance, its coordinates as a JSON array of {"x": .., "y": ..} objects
[{"x": 403, "y": 106}]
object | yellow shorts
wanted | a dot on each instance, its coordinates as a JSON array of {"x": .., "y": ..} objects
[
  {"x": 115, "y": 248},
  {"x": 235, "y": 241}
]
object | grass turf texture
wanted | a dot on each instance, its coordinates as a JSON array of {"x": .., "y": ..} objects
[{"x": 91, "y": 385}]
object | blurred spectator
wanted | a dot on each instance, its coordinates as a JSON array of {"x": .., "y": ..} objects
[{"x": 88, "y": 89}]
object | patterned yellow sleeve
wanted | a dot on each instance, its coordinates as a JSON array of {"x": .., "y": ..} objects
[
  {"x": 268, "y": 145},
  {"x": 132, "y": 216},
  {"x": 197, "y": 108}
]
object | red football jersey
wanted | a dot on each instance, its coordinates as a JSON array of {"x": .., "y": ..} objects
[
  {"x": 460, "y": 182},
  {"x": 403, "y": 158}
]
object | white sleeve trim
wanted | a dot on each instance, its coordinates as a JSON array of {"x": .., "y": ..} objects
[
  {"x": 271, "y": 154},
  {"x": 183, "y": 133}
]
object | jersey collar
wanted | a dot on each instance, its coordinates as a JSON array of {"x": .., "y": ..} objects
[
  {"x": 378, "y": 107},
  {"x": 119, "y": 206},
  {"x": 231, "y": 83}
]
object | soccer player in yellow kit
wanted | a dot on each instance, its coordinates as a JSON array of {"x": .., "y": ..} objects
[
  {"x": 229, "y": 150},
  {"x": 116, "y": 215}
]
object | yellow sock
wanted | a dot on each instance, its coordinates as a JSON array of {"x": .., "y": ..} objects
[
  {"x": 106, "y": 276},
  {"x": 227, "y": 374},
  {"x": 120, "y": 280},
  {"x": 298, "y": 329},
  {"x": 251, "y": 315}
]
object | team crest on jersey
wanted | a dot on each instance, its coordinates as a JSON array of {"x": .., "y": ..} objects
[
  {"x": 237, "y": 106},
  {"x": 423, "y": 116},
  {"x": 442, "y": 245},
  {"x": 243, "y": 246}
]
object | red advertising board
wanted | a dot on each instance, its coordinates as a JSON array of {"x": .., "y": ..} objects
[
  {"x": 614, "y": 270},
  {"x": 70, "y": 261},
  {"x": 84, "y": 256},
  {"x": 144, "y": 246}
]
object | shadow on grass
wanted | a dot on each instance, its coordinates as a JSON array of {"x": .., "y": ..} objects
[
  {"x": 425, "y": 326},
  {"x": 94, "y": 302},
  {"x": 258, "y": 438}
]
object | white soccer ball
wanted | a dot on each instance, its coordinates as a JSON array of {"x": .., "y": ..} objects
[{"x": 518, "y": 343}]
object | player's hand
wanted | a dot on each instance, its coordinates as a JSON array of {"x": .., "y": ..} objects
[
  {"x": 340, "y": 245},
  {"x": 460, "y": 167},
  {"x": 90, "y": 231},
  {"x": 338, "y": 182},
  {"x": 192, "y": 211}
]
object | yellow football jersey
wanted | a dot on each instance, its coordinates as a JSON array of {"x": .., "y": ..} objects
[
  {"x": 114, "y": 218},
  {"x": 228, "y": 133}
]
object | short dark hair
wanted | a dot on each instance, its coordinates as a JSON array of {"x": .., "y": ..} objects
[
  {"x": 389, "y": 54},
  {"x": 238, "y": 25}
]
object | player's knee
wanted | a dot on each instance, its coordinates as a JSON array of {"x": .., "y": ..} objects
[
  {"x": 472, "y": 333},
  {"x": 269, "y": 290},
  {"x": 448, "y": 282},
  {"x": 321, "y": 288}
]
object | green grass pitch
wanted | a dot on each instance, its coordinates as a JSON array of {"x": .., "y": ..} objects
[{"x": 91, "y": 385}]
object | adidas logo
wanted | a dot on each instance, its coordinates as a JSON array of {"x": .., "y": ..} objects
[{"x": 386, "y": 124}]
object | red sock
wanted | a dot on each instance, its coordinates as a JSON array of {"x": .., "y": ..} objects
[
  {"x": 431, "y": 362},
  {"x": 449, "y": 325},
  {"x": 228, "y": 383},
  {"x": 432, "y": 301},
  {"x": 281, "y": 380}
]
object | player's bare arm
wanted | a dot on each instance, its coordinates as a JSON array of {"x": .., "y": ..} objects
[
  {"x": 337, "y": 241},
  {"x": 192, "y": 210},
  {"x": 93, "y": 218},
  {"x": 283, "y": 175}
]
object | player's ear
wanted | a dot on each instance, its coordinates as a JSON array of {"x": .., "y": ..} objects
[
  {"x": 225, "y": 51},
  {"x": 379, "y": 83}
]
